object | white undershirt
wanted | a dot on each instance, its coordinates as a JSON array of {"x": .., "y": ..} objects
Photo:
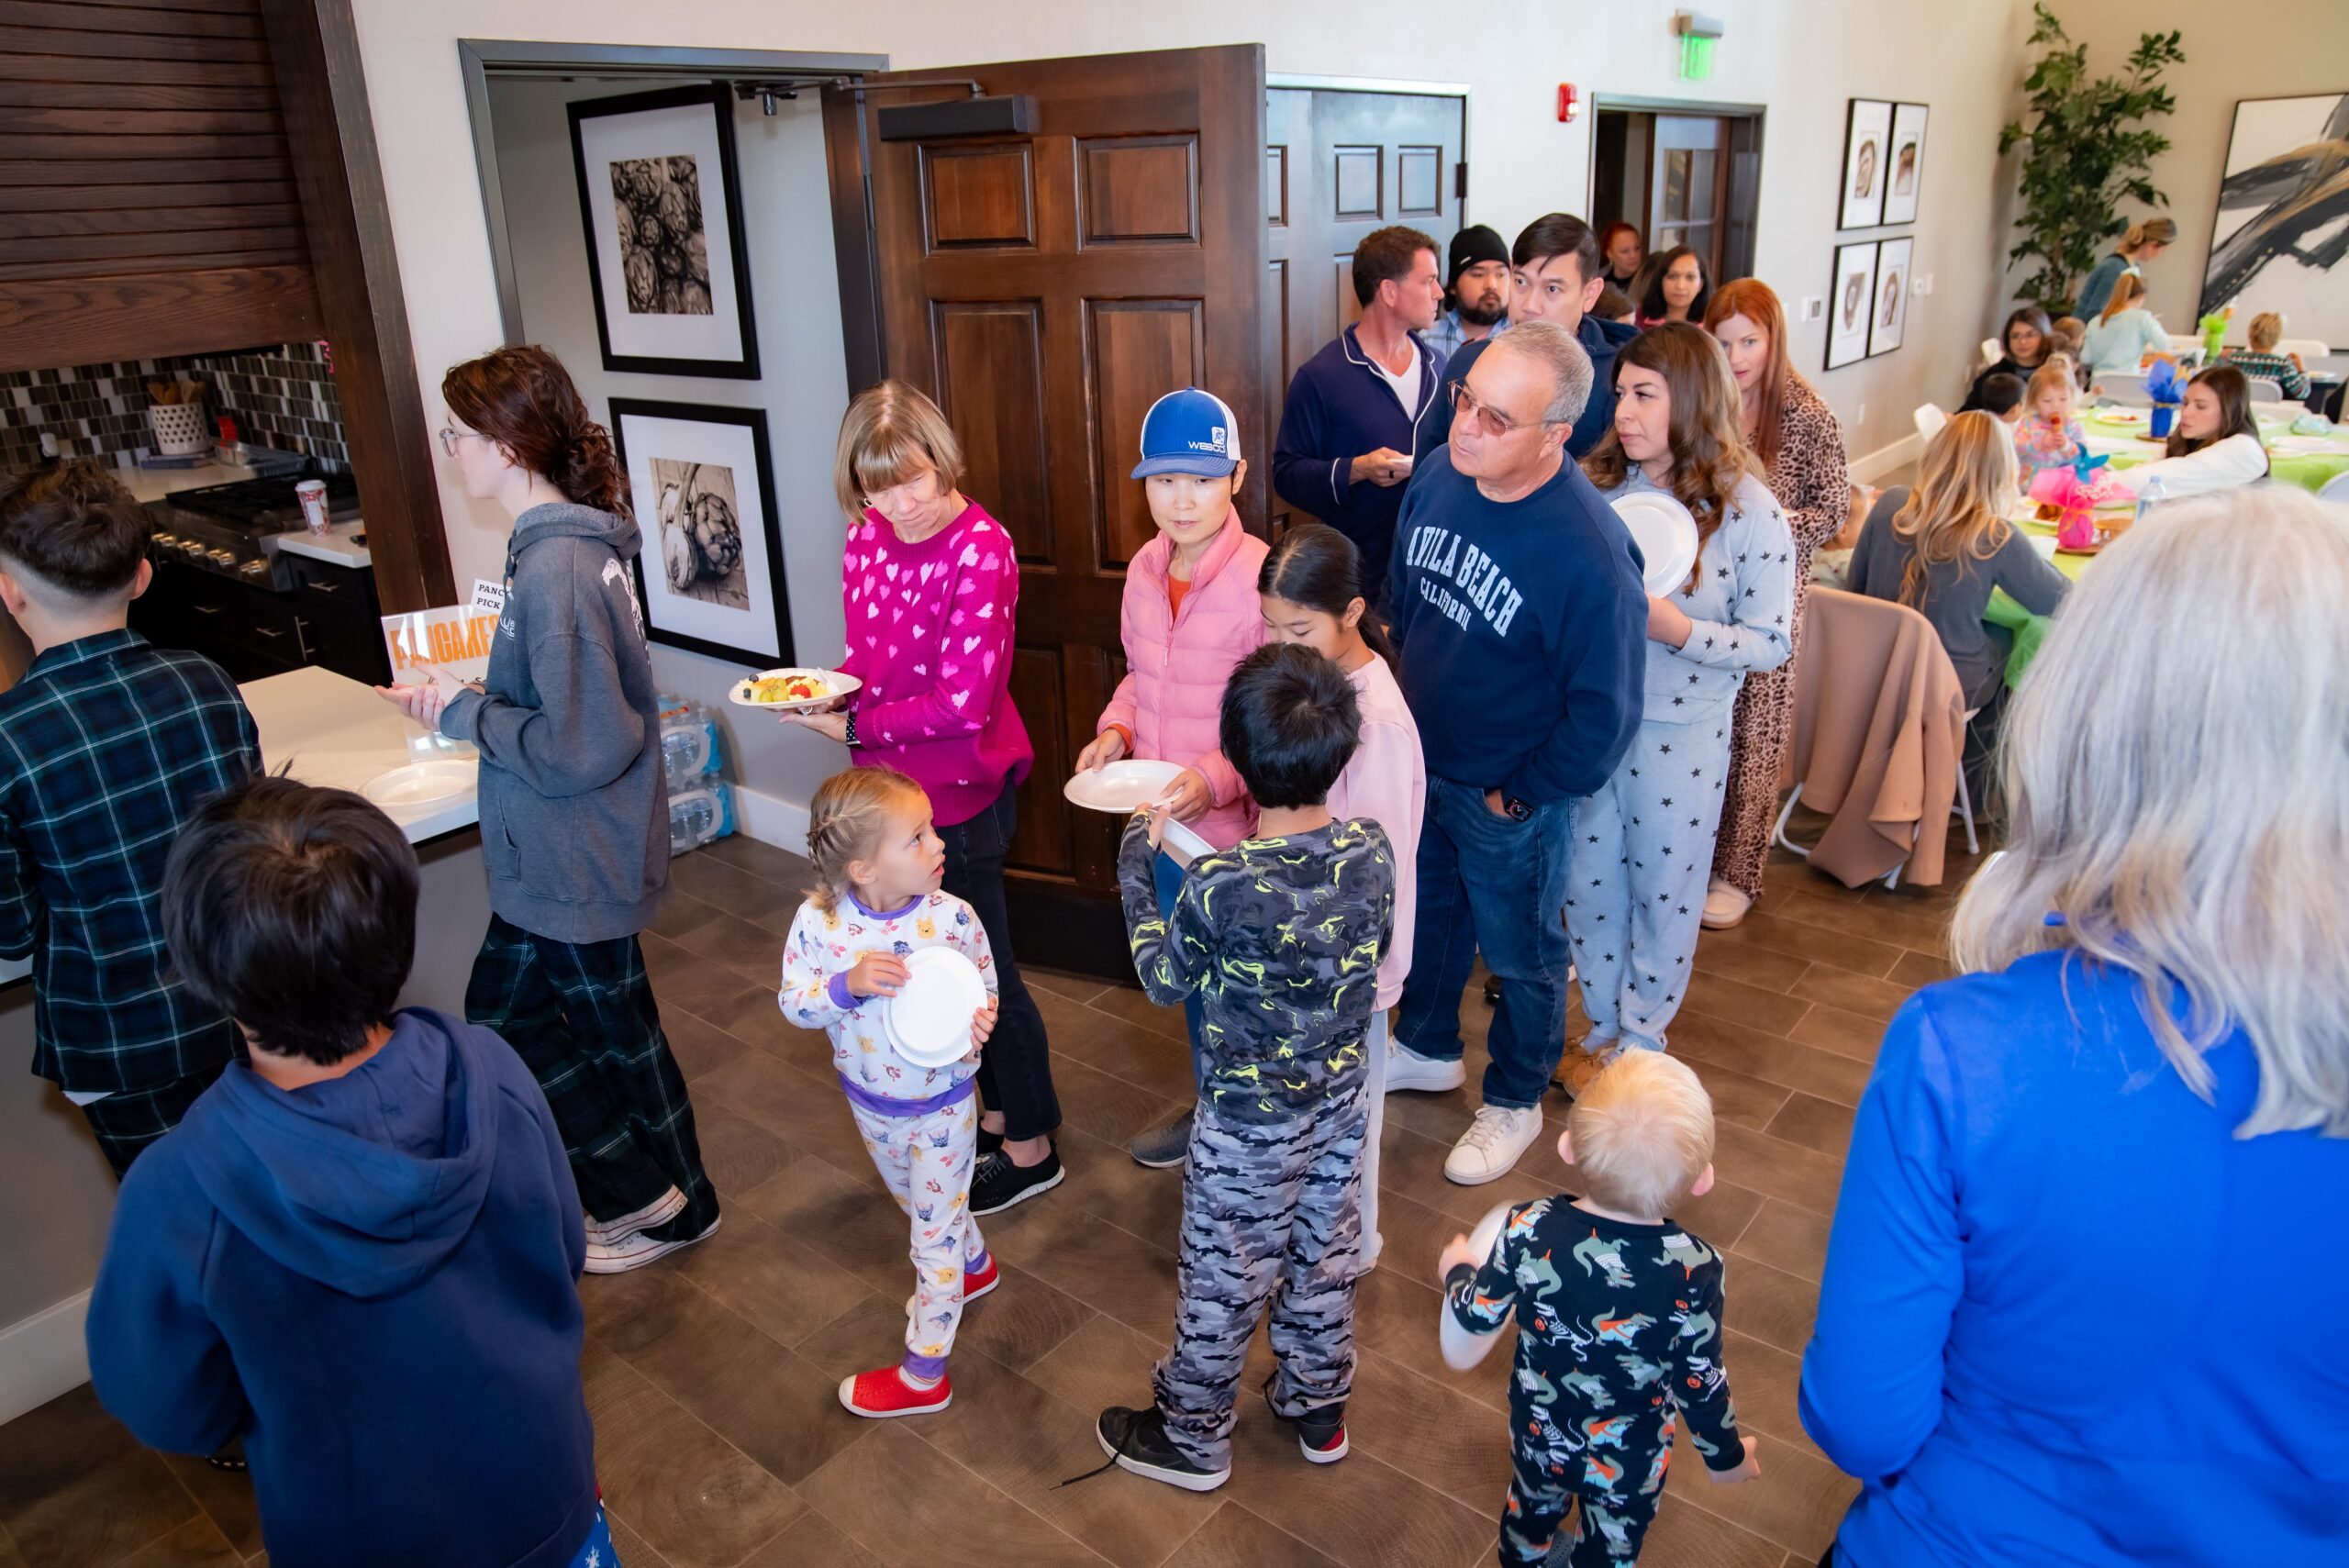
[{"x": 1406, "y": 382}]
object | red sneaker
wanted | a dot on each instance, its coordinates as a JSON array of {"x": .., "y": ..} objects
[
  {"x": 884, "y": 1393},
  {"x": 977, "y": 1283}
]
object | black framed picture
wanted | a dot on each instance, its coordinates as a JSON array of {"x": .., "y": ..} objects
[
  {"x": 1851, "y": 303},
  {"x": 1866, "y": 132},
  {"x": 1905, "y": 175},
  {"x": 710, "y": 575},
  {"x": 662, "y": 203},
  {"x": 1888, "y": 298}
]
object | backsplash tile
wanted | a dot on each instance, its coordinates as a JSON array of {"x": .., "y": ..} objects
[{"x": 282, "y": 397}]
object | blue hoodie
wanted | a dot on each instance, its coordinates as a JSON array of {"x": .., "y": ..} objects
[
  {"x": 1600, "y": 339},
  {"x": 373, "y": 1281}
]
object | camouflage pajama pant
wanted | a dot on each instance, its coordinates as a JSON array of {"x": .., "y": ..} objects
[{"x": 1271, "y": 1216}]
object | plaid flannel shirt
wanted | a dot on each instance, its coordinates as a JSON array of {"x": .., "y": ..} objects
[{"x": 107, "y": 746}]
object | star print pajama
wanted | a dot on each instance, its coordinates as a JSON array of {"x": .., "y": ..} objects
[
  {"x": 1641, "y": 854},
  {"x": 925, "y": 1156}
]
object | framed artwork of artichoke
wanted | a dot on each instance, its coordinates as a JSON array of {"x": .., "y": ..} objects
[
  {"x": 662, "y": 206},
  {"x": 710, "y": 574}
]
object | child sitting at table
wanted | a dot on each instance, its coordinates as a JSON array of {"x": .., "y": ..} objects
[
  {"x": 2261, "y": 362},
  {"x": 2000, "y": 395},
  {"x": 1280, "y": 937},
  {"x": 1188, "y": 614},
  {"x": 2066, "y": 335},
  {"x": 878, "y": 899},
  {"x": 2049, "y": 436},
  {"x": 106, "y": 747},
  {"x": 1619, "y": 1316},
  {"x": 361, "y": 1251}
]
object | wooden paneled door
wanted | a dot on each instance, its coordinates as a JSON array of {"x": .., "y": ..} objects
[
  {"x": 1046, "y": 288},
  {"x": 1338, "y": 164}
]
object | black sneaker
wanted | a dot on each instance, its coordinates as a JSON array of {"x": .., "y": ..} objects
[
  {"x": 996, "y": 1183},
  {"x": 1137, "y": 1440},
  {"x": 1320, "y": 1431},
  {"x": 1163, "y": 1148}
]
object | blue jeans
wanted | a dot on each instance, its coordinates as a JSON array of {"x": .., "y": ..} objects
[
  {"x": 1488, "y": 882},
  {"x": 1167, "y": 877}
]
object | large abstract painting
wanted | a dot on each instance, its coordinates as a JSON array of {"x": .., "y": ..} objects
[{"x": 2282, "y": 227}]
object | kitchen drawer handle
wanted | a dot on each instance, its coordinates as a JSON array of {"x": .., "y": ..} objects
[
  {"x": 206, "y": 609},
  {"x": 325, "y": 588},
  {"x": 268, "y": 633}
]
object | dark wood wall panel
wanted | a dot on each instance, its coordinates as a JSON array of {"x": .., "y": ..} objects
[
  {"x": 227, "y": 20},
  {"x": 990, "y": 373},
  {"x": 156, "y": 70},
  {"x": 69, "y": 321},
  {"x": 1039, "y": 844},
  {"x": 979, "y": 195},
  {"x": 1140, "y": 188},
  {"x": 1142, "y": 349}
]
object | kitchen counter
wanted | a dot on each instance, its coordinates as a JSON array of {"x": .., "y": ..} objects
[
  {"x": 339, "y": 547},
  {"x": 327, "y": 730},
  {"x": 154, "y": 484}
]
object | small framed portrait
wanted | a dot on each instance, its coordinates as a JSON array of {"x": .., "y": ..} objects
[
  {"x": 1851, "y": 303},
  {"x": 663, "y": 207},
  {"x": 1865, "y": 163},
  {"x": 1888, "y": 312},
  {"x": 710, "y": 574},
  {"x": 1908, "y": 163}
]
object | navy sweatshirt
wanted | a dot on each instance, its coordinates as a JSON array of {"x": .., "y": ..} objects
[
  {"x": 1340, "y": 407},
  {"x": 1523, "y": 632},
  {"x": 373, "y": 1281},
  {"x": 1599, "y": 340}
]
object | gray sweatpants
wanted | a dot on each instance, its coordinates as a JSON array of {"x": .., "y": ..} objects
[{"x": 1271, "y": 1215}]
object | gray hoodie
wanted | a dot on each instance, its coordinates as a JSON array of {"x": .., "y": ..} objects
[{"x": 573, "y": 807}]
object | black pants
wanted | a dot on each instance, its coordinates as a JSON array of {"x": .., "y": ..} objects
[
  {"x": 1015, "y": 1068},
  {"x": 581, "y": 1016},
  {"x": 127, "y": 1122}
]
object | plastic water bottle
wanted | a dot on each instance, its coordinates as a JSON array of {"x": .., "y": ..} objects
[
  {"x": 2148, "y": 499},
  {"x": 699, "y": 815}
]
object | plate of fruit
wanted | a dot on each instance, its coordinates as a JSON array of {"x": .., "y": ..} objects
[{"x": 794, "y": 689}]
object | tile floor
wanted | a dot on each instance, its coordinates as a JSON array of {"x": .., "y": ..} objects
[{"x": 711, "y": 1377}]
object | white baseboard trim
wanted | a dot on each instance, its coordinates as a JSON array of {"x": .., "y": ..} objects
[
  {"x": 1869, "y": 467},
  {"x": 771, "y": 819},
  {"x": 43, "y": 1356}
]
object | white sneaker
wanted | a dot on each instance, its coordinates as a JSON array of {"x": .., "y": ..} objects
[
  {"x": 635, "y": 1250},
  {"x": 1725, "y": 905},
  {"x": 1409, "y": 1069},
  {"x": 660, "y": 1211},
  {"x": 1492, "y": 1144}
]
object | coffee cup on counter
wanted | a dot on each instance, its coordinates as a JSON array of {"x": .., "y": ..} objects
[{"x": 312, "y": 495}]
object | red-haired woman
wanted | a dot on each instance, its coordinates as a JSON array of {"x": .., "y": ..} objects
[
  {"x": 573, "y": 811},
  {"x": 1793, "y": 436}
]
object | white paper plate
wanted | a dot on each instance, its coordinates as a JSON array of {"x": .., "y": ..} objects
[
  {"x": 928, "y": 1021},
  {"x": 1122, "y": 787},
  {"x": 1463, "y": 1350},
  {"x": 1185, "y": 844},
  {"x": 422, "y": 783},
  {"x": 836, "y": 684},
  {"x": 1665, "y": 534}
]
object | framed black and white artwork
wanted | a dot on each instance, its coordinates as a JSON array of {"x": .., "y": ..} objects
[
  {"x": 2277, "y": 242},
  {"x": 1866, "y": 132},
  {"x": 662, "y": 206},
  {"x": 1888, "y": 312},
  {"x": 1906, "y": 163},
  {"x": 1850, "y": 302},
  {"x": 710, "y": 574}
]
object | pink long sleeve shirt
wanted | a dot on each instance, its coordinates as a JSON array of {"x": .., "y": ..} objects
[
  {"x": 1177, "y": 661},
  {"x": 929, "y": 630},
  {"x": 1386, "y": 782}
]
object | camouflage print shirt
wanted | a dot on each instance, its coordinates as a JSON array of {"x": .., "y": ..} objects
[
  {"x": 1281, "y": 940},
  {"x": 1618, "y": 1324}
]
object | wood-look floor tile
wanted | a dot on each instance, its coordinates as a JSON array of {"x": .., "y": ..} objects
[
  {"x": 700, "y": 1048},
  {"x": 195, "y": 1544},
  {"x": 1396, "y": 1314},
  {"x": 1877, "y": 1000},
  {"x": 1917, "y": 969},
  {"x": 1110, "y": 1109},
  {"x": 226, "y": 1496},
  {"x": 1915, "y": 929},
  {"x": 1360, "y": 1510},
  {"x": 699, "y": 1500},
  {"x": 1118, "y": 1046},
  {"x": 1741, "y": 1098},
  {"x": 1775, "y": 1168},
  {"x": 1721, "y": 1214},
  {"x": 1796, "y": 1502},
  {"x": 1769, "y": 1303},
  {"x": 634, "y": 1551},
  {"x": 738, "y": 1155},
  {"x": 1072, "y": 987},
  {"x": 1127, "y": 1002},
  {"x": 911, "y": 1507},
  {"x": 1111, "y": 1270},
  {"x": 697, "y": 983},
  {"x": 847, "y": 1217},
  {"x": 749, "y": 951},
  {"x": 1685, "y": 1536},
  {"x": 1104, "y": 1181},
  {"x": 76, "y": 1489},
  {"x": 1019, "y": 1320},
  {"x": 1705, "y": 1041},
  {"x": 1768, "y": 929},
  {"x": 1814, "y": 1123},
  {"x": 768, "y": 903},
  {"x": 1750, "y": 965},
  {"x": 811, "y": 1540},
  {"x": 1105, "y": 1362},
  {"x": 1788, "y": 1238},
  {"x": 809, "y": 1112},
  {"x": 1437, "y": 1435},
  {"x": 1750, "y": 1006},
  {"x": 1766, "y": 1383},
  {"x": 1235, "y": 1538},
  {"x": 764, "y": 860},
  {"x": 680, "y": 914},
  {"x": 787, "y": 1290},
  {"x": 1841, "y": 1033}
]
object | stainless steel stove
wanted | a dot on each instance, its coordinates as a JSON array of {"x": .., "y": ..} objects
[{"x": 232, "y": 529}]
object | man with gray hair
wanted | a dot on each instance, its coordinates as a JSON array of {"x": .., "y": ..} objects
[{"x": 1521, "y": 622}]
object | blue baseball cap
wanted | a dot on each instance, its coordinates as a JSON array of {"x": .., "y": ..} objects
[{"x": 1190, "y": 431}]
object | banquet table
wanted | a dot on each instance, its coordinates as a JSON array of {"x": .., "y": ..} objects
[{"x": 2305, "y": 460}]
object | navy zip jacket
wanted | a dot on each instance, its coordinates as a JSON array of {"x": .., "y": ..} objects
[
  {"x": 1599, "y": 340},
  {"x": 1340, "y": 407},
  {"x": 373, "y": 1281},
  {"x": 1523, "y": 631}
]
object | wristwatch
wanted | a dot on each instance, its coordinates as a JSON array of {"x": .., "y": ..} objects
[
  {"x": 849, "y": 737},
  {"x": 1519, "y": 810}
]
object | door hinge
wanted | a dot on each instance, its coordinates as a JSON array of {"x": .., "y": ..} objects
[{"x": 1460, "y": 181}]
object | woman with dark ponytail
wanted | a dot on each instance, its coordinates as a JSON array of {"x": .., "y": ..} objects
[
  {"x": 574, "y": 812},
  {"x": 1311, "y": 589}
]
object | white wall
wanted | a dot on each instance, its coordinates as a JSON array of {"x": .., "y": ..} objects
[
  {"x": 804, "y": 386},
  {"x": 2277, "y": 49}
]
